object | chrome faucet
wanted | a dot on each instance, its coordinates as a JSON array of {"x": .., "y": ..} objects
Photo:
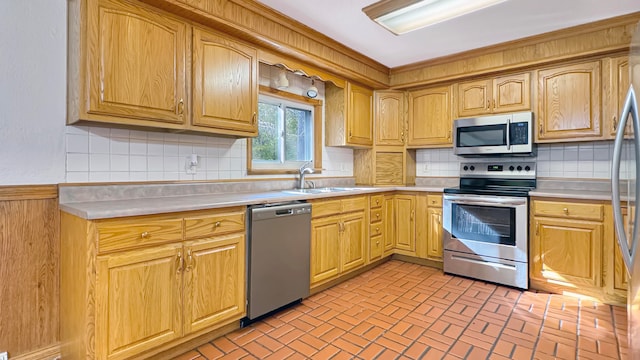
[{"x": 304, "y": 169}]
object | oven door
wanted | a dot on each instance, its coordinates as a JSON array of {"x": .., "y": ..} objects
[{"x": 486, "y": 225}]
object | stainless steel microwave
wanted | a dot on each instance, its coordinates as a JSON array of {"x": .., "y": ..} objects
[{"x": 505, "y": 134}]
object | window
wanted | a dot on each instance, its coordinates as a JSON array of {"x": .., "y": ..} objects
[{"x": 288, "y": 134}]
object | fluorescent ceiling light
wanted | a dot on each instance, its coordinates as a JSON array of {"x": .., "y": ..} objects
[{"x": 402, "y": 16}]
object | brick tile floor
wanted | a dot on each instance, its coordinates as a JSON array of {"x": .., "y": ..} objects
[{"x": 406, "y": 311}]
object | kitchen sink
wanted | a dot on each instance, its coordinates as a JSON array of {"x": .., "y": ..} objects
[{"x": 322, "y": 190}]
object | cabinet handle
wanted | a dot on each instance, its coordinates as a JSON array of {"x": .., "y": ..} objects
[
  {"x": 566, "y": 211},
  {"x": 540, "y": 129},
  {"x": 615, "y": 123},
  {"x": 377, "y": 202},
  {"x": 180, "y": 262},
  {"x": 449, "y": 136},
  {"x": 537, "y": 228},
  {"x": 181, "y": 107},
  {"x": 217, "y": 224},
  {"x": 377, "y": 215},
  {"x": 350, "y": 135},
  {"x": 493, "y": 103},
  {"x": 412, "y": 214},
  {"x": 253, "y": 118},
  {"x": 190, "y": 263},
  {"x": 488, "y": 104},
  {"x": 145, "y": 235},
  {"x": 377, "y": 230}
]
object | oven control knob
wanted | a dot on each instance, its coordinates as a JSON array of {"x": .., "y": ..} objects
[
  {"x": 511, "y": 168},
  {"x": 465, "y": 168},
  {"x": 472, "y": 167},
  {"x": 527, "y": 168},
  {"x": 519, "y": 168}
]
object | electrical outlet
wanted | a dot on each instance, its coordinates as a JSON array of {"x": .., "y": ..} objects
[{"x": 4, "y": 356}]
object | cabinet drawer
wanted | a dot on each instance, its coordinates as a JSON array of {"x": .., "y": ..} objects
[
  {"x": 376, "y": 215},
  {"x": 325, "y": 208},
  {"x": 126, "y": 234},
  {"x": 434, "y": 200},
  {"x": 223, "y": 223},
  {"x": 376, "y": 201},
  {"x": 354, "y": 204},
  {"x": 376, "y": 247},
  {"x": 375, "y": 229},
  {"x": 569, "y": 210}
]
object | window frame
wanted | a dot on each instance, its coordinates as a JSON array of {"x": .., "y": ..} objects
[{"x": 317, "y": 133}]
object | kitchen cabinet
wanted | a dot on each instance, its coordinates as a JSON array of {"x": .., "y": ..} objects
[
  {"x": 404, "y": 220},
  {"x": 617, "y": 86},
  {"x": 339, "y": 232},
  {"x": 377, "y": 227},
  {"x": 390, "y": 225},
  {"x": 389, "y": 118},
  {"x": 384, "y": 165},
  {"x": 225, "y": 85},
  {"x": 434, "y": 221},
  {"x": 620, "y": 277},
  {"x": 507, "y": 93},
  {"x": 348, "y": 115},
  {"x": 111, "y": 77},
  {"x": 430, "y": 118},
  {"x": 567, "y": 243},
  {"x": 569, "y": 103},
  {"x": 113, "y": 80},
  {"x": 169, "y": 278}
]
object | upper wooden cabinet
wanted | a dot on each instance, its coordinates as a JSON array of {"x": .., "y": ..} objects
[
  {"x": 430, "y": 117},
  {"x": 225, "y": 84},
  {"x": 348, "y": 115},
  {"x": 389, "y": 118},
  {"x": 502, "y": 94},
  {"x": 617, "y": 86},
  {"x": 127, "y": 64},
  {"x": 569, "y": 103}
]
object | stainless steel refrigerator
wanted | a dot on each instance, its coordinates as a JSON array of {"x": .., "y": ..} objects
[{"x": 625, "y": 188}]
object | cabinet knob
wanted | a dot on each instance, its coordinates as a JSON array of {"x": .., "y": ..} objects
[
  {"x": 377, "y": 201},
  {"x": 145, "y": 235},
  {"x": 377, "y": 215},
  {"x": 377, "y": 229},
  {"x": 566, "y": 211},
  {"x": 217, "y": 224},
  {"x": 377, "y": 242}
]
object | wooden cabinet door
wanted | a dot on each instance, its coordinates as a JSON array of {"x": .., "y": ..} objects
[
  {"x": 474, "y": 98},
  {"x": 404, "y": 213},
  {"x": 136, "y": 63},
  {"x": 619, "y": 84},
  {"x": 569, "y": 99},
  {"x": 325, "y": 248},
  {"x": 389, "y": 118},
  {"x": 390, "y": 167},
  {"x": 360, "y": 116},
  {"x": 225, "y": 84},
  {"x": 138, "y": 300},
  {"x": 389, "y": 225},
  {"x": 214, "y": 278},
  {"x": 354, "y": 233},
  {"x": 567, "y": 252},
  {"x": 430, "y": 118},
  {"x": 434, "y": 238},
  {"x": 511, "y": 93},
  {"x": 620, "y": 274}
]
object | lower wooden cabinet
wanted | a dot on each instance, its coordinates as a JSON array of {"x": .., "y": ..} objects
[
  {"x": 339, "y": 232},
  {"x": 404, "y": 220},
  {"x": 158, "y": 281},
  {"x": 377, "y": 225},
  {"x": 572, "y": 249},
  {"x": 434, "y": 221}
]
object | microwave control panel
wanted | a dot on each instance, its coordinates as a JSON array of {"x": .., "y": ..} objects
[{"x": 518, "y": 133}]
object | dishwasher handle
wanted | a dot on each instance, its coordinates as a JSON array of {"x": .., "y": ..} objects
[{"x": 265, "y": 212}]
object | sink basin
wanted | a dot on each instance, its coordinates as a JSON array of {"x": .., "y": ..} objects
[{"x": 321, "y": 190}]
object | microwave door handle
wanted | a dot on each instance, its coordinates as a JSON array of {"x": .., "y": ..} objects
[{"x": 508, "y": 134}]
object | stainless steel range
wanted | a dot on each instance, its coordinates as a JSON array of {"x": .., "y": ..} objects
[{"x": 485, "y": 222}]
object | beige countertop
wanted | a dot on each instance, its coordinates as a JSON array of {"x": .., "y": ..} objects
[{"x": 112, "y": 208}]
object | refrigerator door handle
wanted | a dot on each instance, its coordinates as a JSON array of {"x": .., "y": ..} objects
[{"x": 630, "y": 108}]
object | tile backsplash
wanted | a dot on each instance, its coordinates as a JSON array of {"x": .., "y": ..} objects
[
  {"x": 100, "y": 154},
  {"x": 588, "y": 160}
]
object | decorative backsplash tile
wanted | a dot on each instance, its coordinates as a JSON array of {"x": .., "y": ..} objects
[{"x": 588, "y": 160}]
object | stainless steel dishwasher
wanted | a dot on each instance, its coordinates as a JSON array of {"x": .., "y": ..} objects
[{"x": 278, "y": 257}]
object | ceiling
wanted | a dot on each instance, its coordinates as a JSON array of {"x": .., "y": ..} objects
[{"x": 344, "y": 21}]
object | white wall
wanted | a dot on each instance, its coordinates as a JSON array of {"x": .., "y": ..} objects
[{"x": 32, "y": 91}]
